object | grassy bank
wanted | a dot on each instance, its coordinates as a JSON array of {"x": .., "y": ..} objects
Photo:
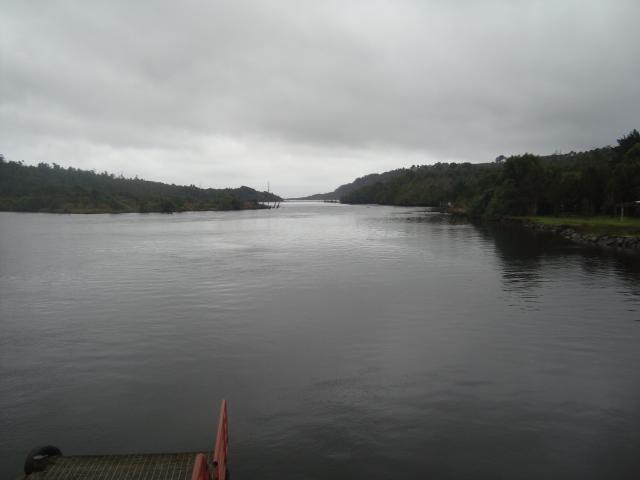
[{"x": 613, "y": 226}]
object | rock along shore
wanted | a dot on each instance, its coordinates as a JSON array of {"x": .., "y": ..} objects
[{"x": 628, "y": 244}]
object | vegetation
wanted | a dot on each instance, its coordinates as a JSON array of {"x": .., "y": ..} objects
[
  {"x": 51, "y": 188},
  {"x": 358, "y": 183},
  {"x": 597, "y": 182}
]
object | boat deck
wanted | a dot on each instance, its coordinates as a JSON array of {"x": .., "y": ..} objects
[
  {"x": 48, "y": 463},
  {"x": 169, "y": 466}
]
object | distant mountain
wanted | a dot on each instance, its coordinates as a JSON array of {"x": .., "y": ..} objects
[
  {"x": 358, "y": 183},
  {"x": 51, "y": 188}
]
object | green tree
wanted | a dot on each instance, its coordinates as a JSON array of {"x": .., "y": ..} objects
[
  {"x": 627, "y": 176},
  {"x": 628, "y": 141}
]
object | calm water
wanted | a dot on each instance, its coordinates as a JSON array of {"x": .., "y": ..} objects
[{"x": 351, "y": 342}]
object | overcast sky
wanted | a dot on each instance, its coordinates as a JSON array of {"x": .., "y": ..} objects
[{"x": 308, "y": 95}]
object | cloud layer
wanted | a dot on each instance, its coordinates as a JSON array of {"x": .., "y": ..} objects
[{"x": 308, "y": 95}]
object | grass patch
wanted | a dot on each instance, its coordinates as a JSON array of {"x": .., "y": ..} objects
[{"x": 630, "y": 226}]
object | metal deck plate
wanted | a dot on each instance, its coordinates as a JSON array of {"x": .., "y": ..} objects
[{"x": 169, "y": 466}]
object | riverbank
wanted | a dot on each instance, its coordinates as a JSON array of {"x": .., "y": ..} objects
[
  {"x": 603, "y": 232},
  {"x": 53, "y": 189},
  {"x": 161, "y": 208}
]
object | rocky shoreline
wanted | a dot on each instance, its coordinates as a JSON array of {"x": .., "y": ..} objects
[{"x": 627, "y": 244}]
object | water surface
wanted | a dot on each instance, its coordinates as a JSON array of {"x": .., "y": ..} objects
[{"x": 350, "y": 341}]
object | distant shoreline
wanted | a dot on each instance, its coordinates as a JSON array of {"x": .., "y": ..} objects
[
  {"x": 119, "y": 212},
  {"x": 52, "y": 189}
]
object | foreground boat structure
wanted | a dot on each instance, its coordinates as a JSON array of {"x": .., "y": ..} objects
[{"x": 48, "y": 463}]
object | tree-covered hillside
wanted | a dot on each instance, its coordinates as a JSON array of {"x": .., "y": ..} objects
[
  {"x": 587, "y": 183},
  {"x": 51, "y": 188},
  {"x": 358, "y": 183}
]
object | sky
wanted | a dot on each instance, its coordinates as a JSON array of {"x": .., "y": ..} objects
[{"x": 308, "y": 95}]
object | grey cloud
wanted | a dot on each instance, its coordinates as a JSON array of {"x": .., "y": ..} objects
[{"x": 356, "y": 86}]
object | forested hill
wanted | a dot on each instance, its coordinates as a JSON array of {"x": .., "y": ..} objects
[
  {"x": 586, "y": 183},
  {"x": 51, "y": 188},
  {"x": 343, "y": 190}
]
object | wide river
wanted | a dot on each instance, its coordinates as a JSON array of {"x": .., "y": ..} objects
[{"x": 352, "y": 342}]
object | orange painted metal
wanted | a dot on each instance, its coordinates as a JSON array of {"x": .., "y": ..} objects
[
  {"x": 221, "y": 450},
  {"x": 202, "y": 470}
]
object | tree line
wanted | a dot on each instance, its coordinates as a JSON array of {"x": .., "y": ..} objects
[
  {"x": 358, "y": 183},
  {"x": 595, "y": 182},
  {"x": 52, "y": 188}
]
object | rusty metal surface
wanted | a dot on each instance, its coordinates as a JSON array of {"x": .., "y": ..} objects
[{"x": 171, "y": 466}]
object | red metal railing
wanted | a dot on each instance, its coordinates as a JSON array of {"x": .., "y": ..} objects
[{"x": 217, "y": 470}]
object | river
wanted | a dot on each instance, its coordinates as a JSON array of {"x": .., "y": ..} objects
[{"x": 350, "y": 341}]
